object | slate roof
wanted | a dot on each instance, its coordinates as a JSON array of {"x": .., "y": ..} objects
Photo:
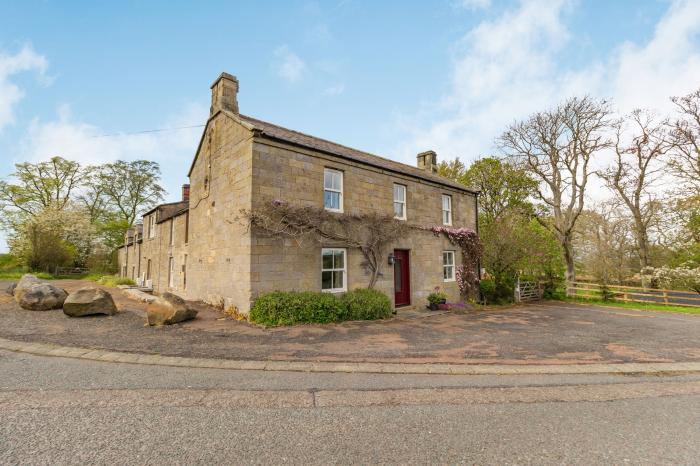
[{"x": 311, "y": 142}]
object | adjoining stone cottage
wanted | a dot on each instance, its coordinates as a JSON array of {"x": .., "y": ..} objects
[{"x": 197, "y": 248}]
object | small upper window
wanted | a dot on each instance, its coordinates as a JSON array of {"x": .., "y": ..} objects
[
  {"x": 448, "y": 266},
  {"x": 400, "y": 201},
  {"x": 333, "y": 270},
  {"x": 333, "y": 190},
  {"x": 152, "y": 226},
  {"x": 172, "y": 231},
  {"x": 446, "y": 209}
]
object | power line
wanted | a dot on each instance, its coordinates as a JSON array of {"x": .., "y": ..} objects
[{"x": 148, "y": 131}]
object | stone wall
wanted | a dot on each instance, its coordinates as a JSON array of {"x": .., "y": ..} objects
[
  {"x": 218, "y": 263},
  {"x": 228, "y": 265},
  {"x": 296, "y": 175}
]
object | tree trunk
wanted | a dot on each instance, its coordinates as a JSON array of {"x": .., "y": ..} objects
[{"x": 570, "y": 266}]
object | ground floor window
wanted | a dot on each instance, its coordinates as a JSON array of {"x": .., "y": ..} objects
[
  {"x": 171, "y": 272},
  {"x": 448, "y": 266},
  {"x": 333, "y": 270},
  {"x": 184, "y": 272}
]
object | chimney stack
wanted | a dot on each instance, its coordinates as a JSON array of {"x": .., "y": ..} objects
[
  {"x": 224, "y": 94},
  {"x": 427, "y": 161},
  {"x": 186, "y": 192}
]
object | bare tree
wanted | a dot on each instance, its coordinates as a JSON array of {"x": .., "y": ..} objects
[
  {"x": 555, "y": 147},
  {"x": 685, "y": 160},
  {"x": 605, "y": 247},
  {"x": 640, "y": 143}
]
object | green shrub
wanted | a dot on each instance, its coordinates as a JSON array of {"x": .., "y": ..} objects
[
  {"x": 294, "y": 307},
  {"x": 365, "y": 304},
  {"x": 493, "y": 292},
  {"x": 289, "y": 308},
  {"x": 109, "y": 280},
  {"x": 606, "y": 294}
]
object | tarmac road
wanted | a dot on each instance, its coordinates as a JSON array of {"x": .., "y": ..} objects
[{"x": 68, "y": 411}]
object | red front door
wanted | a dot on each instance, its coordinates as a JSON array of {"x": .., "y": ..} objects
[{"x": 402, "y": 278}]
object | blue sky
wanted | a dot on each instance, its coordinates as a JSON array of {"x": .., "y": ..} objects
[{"x": 393, "y": 78}]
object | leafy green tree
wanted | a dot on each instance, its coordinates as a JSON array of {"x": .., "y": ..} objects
[
  {"x": 503, "y": 187},
  {"x": 39, "y": 186},
  {"x": 130, "y": 188},
  {"x": 452, "y": 169}
]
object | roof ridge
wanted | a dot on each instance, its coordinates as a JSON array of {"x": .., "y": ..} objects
[{"x": 344, "y": 146}]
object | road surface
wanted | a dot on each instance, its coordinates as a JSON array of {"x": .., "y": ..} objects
[{"x": 67, "y": 411}]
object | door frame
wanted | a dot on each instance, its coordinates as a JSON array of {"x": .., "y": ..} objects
[{"x": 406, "y": 253}]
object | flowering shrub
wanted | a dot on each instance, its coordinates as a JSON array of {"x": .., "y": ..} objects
[
  {"x": 683, "y": 277},
  {"x": 470, "y": 245}
]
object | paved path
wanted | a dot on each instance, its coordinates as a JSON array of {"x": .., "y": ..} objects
[
  {"x": 548, "y": 334},
  {"x": 70, "y": 411}
]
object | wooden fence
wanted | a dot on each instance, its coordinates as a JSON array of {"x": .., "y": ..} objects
[
  {"x": 68, "y": 271},
  {"x": 634, "y": 294}
]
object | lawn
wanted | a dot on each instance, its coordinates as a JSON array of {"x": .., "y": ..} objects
[{"x": 639, "y": 306}]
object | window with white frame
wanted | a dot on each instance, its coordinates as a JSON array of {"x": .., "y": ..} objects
[
  {"x": 333, "y": 270},
  {"x": 400, "y": 201},
  {"x": 152, "y": 226},
  {"x": 333, "y": 190},
  {"x": 446, "y": 209},
  {"x": 171, "y": 272},
  {"x": 448, "y": 266}
]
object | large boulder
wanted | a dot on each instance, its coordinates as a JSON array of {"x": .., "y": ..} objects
[
  {"x": 26, "y": 282},
  {"x": 169, "y": 309},
  {"x": 41, "y": 297},
  {"x": 88, "y": 301}
]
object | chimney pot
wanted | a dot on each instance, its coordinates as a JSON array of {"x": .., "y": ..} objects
[
  {"x": 224, "y": 94},
  {"x": 427, "y": 161},
  {"x": 186, "y": 192}
]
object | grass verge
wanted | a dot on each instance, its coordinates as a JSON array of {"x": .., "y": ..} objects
[{"x": 639, "y": 306}]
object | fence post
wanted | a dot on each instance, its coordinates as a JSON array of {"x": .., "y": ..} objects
[{"x": 666, "y": 297}]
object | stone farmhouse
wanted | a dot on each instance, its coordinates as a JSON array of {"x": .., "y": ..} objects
[{"x": 197, "y": 249}]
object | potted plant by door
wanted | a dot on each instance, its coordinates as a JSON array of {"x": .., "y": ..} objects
[{"x": 436, "y": 298}]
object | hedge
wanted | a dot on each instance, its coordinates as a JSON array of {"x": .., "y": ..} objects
[{"x": 295, "y": 307}]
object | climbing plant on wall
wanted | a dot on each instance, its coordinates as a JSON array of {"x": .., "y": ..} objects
[{"x": 467, "y": 240}]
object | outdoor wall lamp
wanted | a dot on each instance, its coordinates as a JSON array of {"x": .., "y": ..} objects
[{"x": 392, "y": 259}]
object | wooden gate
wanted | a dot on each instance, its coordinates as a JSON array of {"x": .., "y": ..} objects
[{"x": 528, "y": 291}]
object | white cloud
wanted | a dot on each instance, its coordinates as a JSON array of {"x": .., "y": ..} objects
[
  {"x": 86, "y": 143},
  {"x": 288, "y": 64},
  {"x": 474, "y": 4},
  {"x": 335, "y": 89},
  {"x": 10, "y": 65},
  {"x": 505, "y": 69}
]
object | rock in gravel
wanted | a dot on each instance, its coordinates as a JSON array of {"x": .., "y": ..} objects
[
  {"x": 88, "y": 301},
  {"x": 11, "y": 289},
  {"x": 41, "y": 297},
  {"x": 139, "y": 295},
  {"x": 26, "y": 282},
  {"x": 169, "y": 309}
]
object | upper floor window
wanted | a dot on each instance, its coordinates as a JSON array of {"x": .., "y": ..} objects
[
  {"x": 400, "y": 201},
  {"x": 333, "y": 190},
  {"x": 152, "y": 225},
  {"x": 446, "y": 209},
  {"x": 333, "y": 270},
  {"x": 172, "y": 231},
  {"x": 448, "y": 266}
]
